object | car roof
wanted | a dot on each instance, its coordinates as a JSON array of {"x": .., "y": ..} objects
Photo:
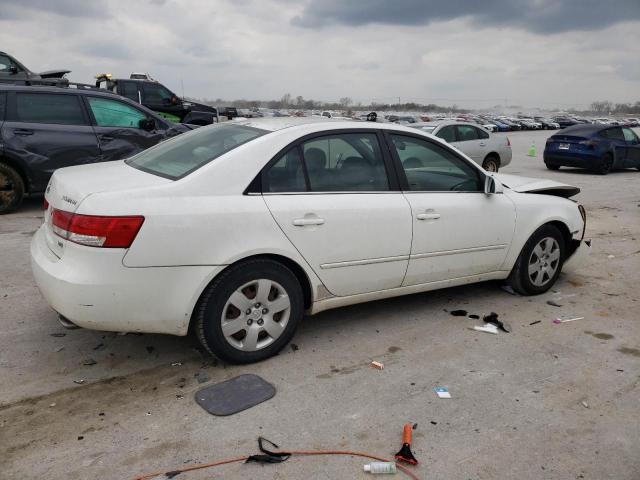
[
  {"x": 316, "y": 124},
  {"x": 51, "y": 89},
  {"x": 584, "y": 129},
  {"x": 438, "y": 123}
]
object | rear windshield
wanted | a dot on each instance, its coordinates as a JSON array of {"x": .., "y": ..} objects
[{"x": 181, "y": 155}]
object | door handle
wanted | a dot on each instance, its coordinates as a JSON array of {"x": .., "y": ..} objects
[
  {"x": 23, "y": 131},
  {"x": 482, "y": 144},
  {"x": 302, "y": 222},
  {"x": 428, "y": 216},
  {"x": 106, "y": 138}
]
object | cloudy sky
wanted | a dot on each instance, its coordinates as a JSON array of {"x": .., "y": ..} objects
[{"x": 473, "y": 53}]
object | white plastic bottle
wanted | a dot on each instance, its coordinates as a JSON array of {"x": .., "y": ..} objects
[{"x": 380, "y": 467}]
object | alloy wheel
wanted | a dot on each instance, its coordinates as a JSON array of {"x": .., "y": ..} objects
[
  {"x": 255, "y": 315},
  {"x": 544, "y": 261}
]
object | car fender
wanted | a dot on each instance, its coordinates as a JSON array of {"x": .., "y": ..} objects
[{"x": 535, "y": 210}]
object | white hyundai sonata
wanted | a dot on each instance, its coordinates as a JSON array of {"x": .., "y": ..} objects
[{"x": 234, "y": 231}]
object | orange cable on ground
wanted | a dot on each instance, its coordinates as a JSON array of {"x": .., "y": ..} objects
[{"x": 201, "y": 466}]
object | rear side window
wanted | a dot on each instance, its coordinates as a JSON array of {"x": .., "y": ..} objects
[
  {"x": 613, "y": 133},
  {"x": 481, "y": 133},
  {"x": 128, "y": 90},
  {"x": 448, "y": 134},
  {"x": 182, "y": 155},
  {"x": 49, "y": 108},
  {"x": 111, "y": 113},
  {"x": 348, "y": 162},
  {"x": 287, "y": 174},
  {"x": 466, "y": 133}
]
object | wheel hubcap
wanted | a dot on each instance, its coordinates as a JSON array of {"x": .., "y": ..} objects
[
  {"x": 491, "y": 167},
  {"x": 544, "y": 261},
  {"x": 255, "y": 315}
]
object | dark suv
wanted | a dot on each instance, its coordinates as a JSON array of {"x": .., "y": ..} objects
[
  {"x": 155, "y": 96},
  {"x": 46, "y": 128}
]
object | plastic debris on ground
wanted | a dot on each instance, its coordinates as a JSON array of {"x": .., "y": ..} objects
[
  {"x": 378, "y": 365},
  {"x": 558, "y": 321},
  {"x": 489, "y": 328},
  {"x": 553, "y": 304},
  {"x": 492, "y": 319},
  {"x": 235, "y": 395},
  {"x": 442, "y": 392},
  {"x": 380, "y": 468}
]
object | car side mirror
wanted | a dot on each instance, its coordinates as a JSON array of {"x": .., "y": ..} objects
[
  {"x": 492, "y": 185},
  {"x": 147, "y": 124},
  {"x": 13, "y": 70}
]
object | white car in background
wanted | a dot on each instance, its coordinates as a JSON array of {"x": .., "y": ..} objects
[
  {"x": 235, "y": 230},
  {"x": 492, "y": 152}
]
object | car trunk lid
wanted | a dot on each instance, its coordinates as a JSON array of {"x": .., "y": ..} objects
[
  {"x": 69, "y": 187},
  {"x": 537, "y": 185}
]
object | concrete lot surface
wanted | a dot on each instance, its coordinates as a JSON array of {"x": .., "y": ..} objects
[{"x": 543, "y": 402}]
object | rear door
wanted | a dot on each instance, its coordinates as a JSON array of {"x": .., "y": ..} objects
[
  {"x": 117, "y": 126},
  {"x": 334, "y": 198},
  {"x": 48, "y": 131},
  {"x": 470, "y": 141},
  {"x": 632, "y": 158},
  {"x": 618, "y": 144}
]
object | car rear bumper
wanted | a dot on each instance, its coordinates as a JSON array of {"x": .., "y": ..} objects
[
  {"x": 91, "y": 288},
  {"x": 571, "y": 160}
]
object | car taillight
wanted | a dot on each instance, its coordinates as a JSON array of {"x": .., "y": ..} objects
[
  {"x": 96, "y": 231},
  {"x": 45, "y": 204},
  {"x": 508, "y": 142}
]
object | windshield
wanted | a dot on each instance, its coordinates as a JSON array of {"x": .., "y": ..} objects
[{"x": 188, "y": 152}]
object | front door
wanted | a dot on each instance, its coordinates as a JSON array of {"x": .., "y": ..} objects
[
  {"x": 118, "y": 130},
  {"x": 48, "y": 131},
  {"x": 632, "y": 157},
  {"x": 333, "y": 199},
  {"x": 458, "y": 230}
]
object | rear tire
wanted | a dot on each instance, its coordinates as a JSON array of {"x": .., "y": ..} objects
[
  {"x": 491, "y": 164},
  {"x": 552, "y": 167},
  {"x": 540, "y": 262},
  {"x": 11, "y": 189},
  {"x": 606, "y": 164},
  {"x": 271, "y": 304}
]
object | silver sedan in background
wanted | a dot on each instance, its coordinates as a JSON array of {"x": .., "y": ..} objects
[{"x": 491, "y": 151}]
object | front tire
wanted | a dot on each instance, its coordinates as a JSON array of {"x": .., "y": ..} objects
[
  {"x": 540, "y": 262},
  {"x": 552, "y": 167},
  {"x": 11, "y": 189},
  {"x": 250, "y": 311}
]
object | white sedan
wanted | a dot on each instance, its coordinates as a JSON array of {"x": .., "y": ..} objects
[
  {"x": 234, "y": 231},
  {"x": 490, "y": 151}
]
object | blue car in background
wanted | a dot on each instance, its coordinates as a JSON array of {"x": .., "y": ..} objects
[
  {"x": 501, "y": 127},
  {"x": 600, "y": 148}
]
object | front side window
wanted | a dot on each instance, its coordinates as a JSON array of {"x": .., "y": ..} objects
[
  {"x": 155, "y": 94},
  {"x": 347, "y": 162},
  {"x": 58, "y": 109},
  {"x": 432, "y": 168},
  {"x": 111, "y": 113},
  {"x": 184, "y": 154},
  {"x": 448, "y": 134}
]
